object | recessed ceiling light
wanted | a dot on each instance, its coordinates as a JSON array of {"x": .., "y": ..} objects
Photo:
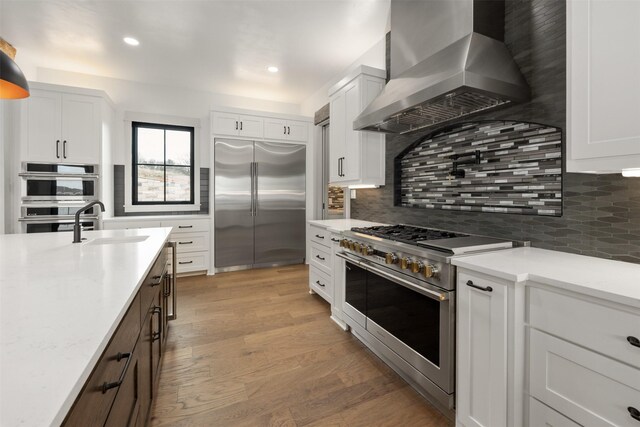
[
  {"x": 272, "y": 69},
  {"x": 131, "y": 41}
]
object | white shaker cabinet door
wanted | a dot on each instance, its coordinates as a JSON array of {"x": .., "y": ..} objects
[
  {"x": 603, "y": 85},
  {"x": 481, "y": 353},
  {"x": 42, "y": 127},
  {"x": 81, "y": 130}
]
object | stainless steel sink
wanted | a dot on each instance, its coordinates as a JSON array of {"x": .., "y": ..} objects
[{"x": 117, "y": 240}]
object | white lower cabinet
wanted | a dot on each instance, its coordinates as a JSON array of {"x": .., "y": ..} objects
[
  {"x": 481, "y": 352},
  {"x": 540, "y": 415},
  {"x": 190, "y": 235}
]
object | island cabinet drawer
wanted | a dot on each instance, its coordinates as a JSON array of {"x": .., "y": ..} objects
[
  {"x": 191, "y": 261},
  {"x": 585, "y": 386},
  {"x": 186, "y": 225},
  {"x": 153, "y": 282},
  {"x": 321, "y": 258},
  {"x": 614, "y": 332},
  {"x": 321, "y": 283},
  {"x": 319, "y": 235},
  {"x": 541, "y": 415},
  {"x": 191, "y": 242},
  {"x": 92, "y": 406}
]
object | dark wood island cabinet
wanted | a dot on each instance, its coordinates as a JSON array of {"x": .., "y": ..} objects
[{"x": 121, "y": 387}]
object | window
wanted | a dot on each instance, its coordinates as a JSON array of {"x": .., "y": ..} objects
[{"x": 162, "y": 166}]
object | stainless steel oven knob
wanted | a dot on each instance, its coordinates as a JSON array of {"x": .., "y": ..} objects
[
  {"x": 391, "y": 258},
  {"x": 352, "y": 245},
  {"x": 344, "y": 243},
  {"x": 368, "y": 250},
  {"x": 416, "y": 267},
  {"x": 362, "y": 249},
  {"x": 405, "y": 263},
  {"x": 430, "y": 271}
]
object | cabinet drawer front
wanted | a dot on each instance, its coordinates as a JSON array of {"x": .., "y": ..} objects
[
  {"x": 540, "y": 415},
  {"x": 585, "y": 386},
  {"x": 190, "y": 242},
  {"x": 186, "y": 225},
  {"x": 126, "y": 225},
  {"x": 598, "y": 327},
  {"x": 321, "y": 258},
  {"x": 192, "y": 261},
  {"x": 153, "y": 283},
  {"x": 319, "y": 235},
  {"x": 321, "y": 283},
  {"x": 92, "y": 405}
]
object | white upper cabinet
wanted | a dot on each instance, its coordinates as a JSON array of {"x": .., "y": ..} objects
[
  {"x": 237, "y": 125},
  {"x": 287, "y": 130},
  {"x": 356, "y": 157},
  {"x": 603, "y": 86},
  {"x": 61, "y": 127}
]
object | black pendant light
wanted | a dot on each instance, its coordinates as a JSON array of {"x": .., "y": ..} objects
[{"x": 13, "y": 84}]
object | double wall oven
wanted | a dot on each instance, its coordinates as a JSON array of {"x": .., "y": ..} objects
[
  {"x": 51, "y": 194},
  {"x": 399, "y": 299}
]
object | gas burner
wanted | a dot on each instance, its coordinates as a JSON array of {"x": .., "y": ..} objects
[{"x": 406, "y": 233}]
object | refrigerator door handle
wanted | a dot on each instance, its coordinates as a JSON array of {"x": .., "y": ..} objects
[
  {"x": 255, "y": 189},
  {"x": 251, "y": 212}
]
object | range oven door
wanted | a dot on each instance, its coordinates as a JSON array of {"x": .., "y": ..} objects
[{"x": 416, "y": 321}]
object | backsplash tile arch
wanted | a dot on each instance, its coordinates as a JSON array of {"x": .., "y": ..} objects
[{"x": 500, "y": 166}]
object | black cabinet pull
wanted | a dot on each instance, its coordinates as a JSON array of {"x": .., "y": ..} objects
[
  {"x": 635, "y": 414},
  {"x": 633, "y": 341},
  {"x": 318, "y": 283},
  {"x": 64, "y": 148},
  {"x": 319, "y": 257},
  {"x": 335, "y": 240},
  {"x": 186, "y": 243},
  {"x": 156, "y": 281},
  {"x": 288, "y": 130},
  {"x": 240, "y": 125},
  {"x": 185, "y": 226},
  {"x": 319, "y": 236},
  {"x": 285, "y": 130},
  {"x": 57, "y": 149},
  {"x": 108, "y": 386},
  {"x": 155, "y": 336},
  {"x": 236, "y": 125},
  {"x": 167, "y": 285},
  {"x": 486, "y": 289},
  {"x": 185, "y": 262}
]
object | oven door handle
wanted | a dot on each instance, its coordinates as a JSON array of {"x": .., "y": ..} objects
[{"x": 438, "y": 296}]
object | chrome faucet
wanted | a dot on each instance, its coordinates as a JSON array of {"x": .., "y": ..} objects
[{"x": 77, "y": 237}]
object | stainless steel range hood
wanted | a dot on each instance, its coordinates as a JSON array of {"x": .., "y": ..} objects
[{"x": 472, "y": 74}]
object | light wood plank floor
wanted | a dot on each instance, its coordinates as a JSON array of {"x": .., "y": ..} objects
[{"x": 253, "y": 348}]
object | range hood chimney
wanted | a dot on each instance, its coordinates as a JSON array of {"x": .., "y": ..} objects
[{"x": 448, "y": 61}]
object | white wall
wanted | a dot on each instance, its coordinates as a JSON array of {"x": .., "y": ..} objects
[
  {"x": 2, "y": 165},
  {"x": 170, "y": 101}
]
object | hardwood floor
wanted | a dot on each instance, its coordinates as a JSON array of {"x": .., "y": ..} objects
[{"x": 254, "y": 348}]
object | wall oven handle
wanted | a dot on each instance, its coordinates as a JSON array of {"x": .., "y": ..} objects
[{"x": 438, "y": 296}]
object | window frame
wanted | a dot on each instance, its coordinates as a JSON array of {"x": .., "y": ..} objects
[{"x": 135, "y": 125}]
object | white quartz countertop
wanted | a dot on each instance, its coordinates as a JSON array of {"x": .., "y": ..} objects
[
  {"x": 155, "y": 218},
  {"x": 611, "y": 280},
  {"x": 60, "y": 303},
  {"x": 338, "y": 225}
]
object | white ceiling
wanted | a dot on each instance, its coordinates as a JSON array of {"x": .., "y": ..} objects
[{"x": 218, "y": 46}]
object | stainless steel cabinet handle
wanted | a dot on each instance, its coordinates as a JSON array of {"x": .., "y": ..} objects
[
  {"x": 190, "y": 242},
  {"x": 320, "y": 284},
  {"x": 486, "y": 289},
  {"x": 320, "y": 258},
  {"x": 64, "y": 148},
  {"x": 185, "y": 262},
  {"x": 57, "y": 149},
  {"x": 108, "y": 386}
]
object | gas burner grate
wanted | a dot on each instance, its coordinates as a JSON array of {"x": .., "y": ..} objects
[{"x": 406, "y": 233}]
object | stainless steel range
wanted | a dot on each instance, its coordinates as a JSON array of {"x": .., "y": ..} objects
[{"x": 400, "y": 298}]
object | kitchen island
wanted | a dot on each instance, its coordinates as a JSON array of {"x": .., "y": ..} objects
[{"x": 60, "y": 304}]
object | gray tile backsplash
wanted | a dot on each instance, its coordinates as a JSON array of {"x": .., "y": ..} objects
[
  {"x": 118, "y": 195},
  {"x": 601, "y": 213}
]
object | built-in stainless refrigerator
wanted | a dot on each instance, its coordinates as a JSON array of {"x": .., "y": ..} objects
[{"x": 259, "y": 204}]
